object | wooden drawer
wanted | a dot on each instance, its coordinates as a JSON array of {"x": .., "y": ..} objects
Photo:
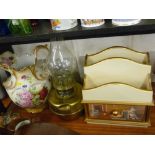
[
  {"x": 117, "y": 112},
  {"x": 121, "y": 115}
]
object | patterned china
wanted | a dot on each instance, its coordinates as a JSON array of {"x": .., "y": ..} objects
[{"x": 29, "y": 86}]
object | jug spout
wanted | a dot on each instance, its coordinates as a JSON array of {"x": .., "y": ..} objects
[
  {"x": 10, "y": 82},
  {"x": 7, "y": 68}
]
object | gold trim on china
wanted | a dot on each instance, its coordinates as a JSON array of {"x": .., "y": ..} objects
[
  {"x": 14, "y": 73},
  {"x": 6, "y": 68},
  {"x": 10, "y": 86},
  {"x": 105, "y": 50}
]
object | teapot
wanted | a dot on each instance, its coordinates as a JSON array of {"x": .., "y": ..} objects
[{"x": 28, "y": 87}]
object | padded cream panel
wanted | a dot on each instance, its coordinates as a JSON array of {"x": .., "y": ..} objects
[
  {"x": 117, "y": 51},
  {"x": 116, "y": 70},
  {"x": 117, "y": 94}
]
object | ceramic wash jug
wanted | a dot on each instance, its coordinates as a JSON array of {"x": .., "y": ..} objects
[{"x": 29, "y": 87}]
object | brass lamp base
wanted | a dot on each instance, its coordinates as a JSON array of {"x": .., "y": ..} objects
[
  {"x": 68, "y": 117},
  {"x": 67, "y": 108}
]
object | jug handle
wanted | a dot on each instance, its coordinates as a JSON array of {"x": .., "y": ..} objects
[{"x": 36, "y": 50}]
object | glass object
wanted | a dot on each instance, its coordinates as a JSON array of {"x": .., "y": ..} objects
[
  {"x": 3, "y": 28},
  {"x": 66, "y": 96},
  {"x": 63, "y": 24},
  {"x": 125, "y": 22},
  {"x": 19, "y": 26},
  {"x": 92, "y": 22},
  {"x": 62, "y": 66}
]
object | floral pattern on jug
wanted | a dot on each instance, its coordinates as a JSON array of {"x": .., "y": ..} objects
[{"x": 29, "y": 92}]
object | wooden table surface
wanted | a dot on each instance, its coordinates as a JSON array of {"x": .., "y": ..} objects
[
  {"x": 92, "y": 129},
  {"x": 80, "y": 126}
]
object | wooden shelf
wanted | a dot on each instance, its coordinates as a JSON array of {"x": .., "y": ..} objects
[{"x": 44, "y": 33}]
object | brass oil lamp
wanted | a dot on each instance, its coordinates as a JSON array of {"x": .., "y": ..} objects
[{"x": 65, "y": 98}]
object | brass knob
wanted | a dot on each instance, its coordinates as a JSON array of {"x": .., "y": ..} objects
[{"x": 115, "y": 112}]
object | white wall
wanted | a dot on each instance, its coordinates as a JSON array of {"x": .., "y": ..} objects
[{"x": 93, "y": 45}]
